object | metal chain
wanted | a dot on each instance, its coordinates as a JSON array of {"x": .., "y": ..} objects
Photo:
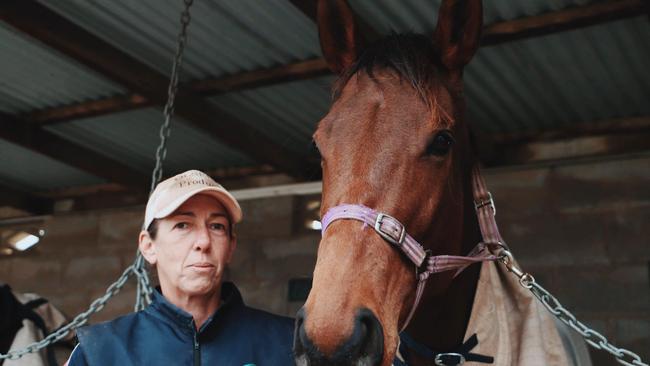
[
  {"x": 144, "y": 289},
  {"x": 165, "y": 129},
  {"x": 77, "y": 322},
  {"x": 592, "y": 337}
]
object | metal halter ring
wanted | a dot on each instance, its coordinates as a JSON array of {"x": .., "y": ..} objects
[
  {"x": 497, "y": 248},
  {"x": 459, "y": 359}
]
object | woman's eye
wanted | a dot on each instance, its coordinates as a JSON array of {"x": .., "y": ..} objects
[
  {"x": 217, "y": 226},
  {"x": 441, "y": 144}
]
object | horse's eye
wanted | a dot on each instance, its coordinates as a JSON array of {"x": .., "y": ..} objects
[{"x": 441, "y": 144}]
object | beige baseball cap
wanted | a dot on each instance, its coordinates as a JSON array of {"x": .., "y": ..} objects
[{"x": 173, "y": 192}]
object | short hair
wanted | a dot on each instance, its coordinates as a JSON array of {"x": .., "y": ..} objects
[{"x": 153, "y": 229}]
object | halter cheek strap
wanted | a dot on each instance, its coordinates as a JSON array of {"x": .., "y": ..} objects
[{"x": 391, "y": 230}]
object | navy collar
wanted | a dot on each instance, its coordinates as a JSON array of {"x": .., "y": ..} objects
[{"x": 231, "y": 299}]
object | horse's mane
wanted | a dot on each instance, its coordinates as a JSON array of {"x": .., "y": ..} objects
[{"x": 411, "y": 56}]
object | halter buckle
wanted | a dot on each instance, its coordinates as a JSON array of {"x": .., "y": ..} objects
[
  {"x": 448, "y": 359},
  {"x": 488, "y": 202},
  {"x": 394, "y": 237}
]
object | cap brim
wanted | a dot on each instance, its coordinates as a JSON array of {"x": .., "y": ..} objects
[{"x": 226, "y": 199}]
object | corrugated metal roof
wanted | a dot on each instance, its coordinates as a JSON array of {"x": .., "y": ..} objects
[
  {"x": 35, "y": 76},
  {"x": 548, "y": 82},
  {"x": 551, "y": 82},
  {"x": 26, "y": 170},
  {"x": 225, "y": 37},
  {"x": 132, "y": 138},
  {"x": 287, "y": 112}
]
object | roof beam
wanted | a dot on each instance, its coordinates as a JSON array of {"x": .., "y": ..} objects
[
  {"x": 53, "y": 146},
  {"x": 92, "y": 108},
  {"x": 65, "y": 36},
  {"x": 494, "y": 34},
  {"x": 596, "y": 139},
  {"x": 562, "y": 20},
  {"x": 300, "y": 70},
  {"x": 24, "y": 201}
]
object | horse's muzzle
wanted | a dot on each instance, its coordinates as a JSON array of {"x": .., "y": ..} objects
[{"x": 364, "y": 347}]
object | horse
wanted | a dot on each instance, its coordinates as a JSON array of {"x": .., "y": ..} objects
[{"x": 395, "y": 144}]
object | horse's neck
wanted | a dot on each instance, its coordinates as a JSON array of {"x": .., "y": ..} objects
[{"x": 441, "y": 321}]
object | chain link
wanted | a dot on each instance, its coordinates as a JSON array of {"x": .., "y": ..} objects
[
  {"x": 144, "y": 288},
  {"x": 592, "y": 337}
]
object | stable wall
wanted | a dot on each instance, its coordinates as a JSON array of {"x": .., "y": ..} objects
[{"x": 581, "y": 229}]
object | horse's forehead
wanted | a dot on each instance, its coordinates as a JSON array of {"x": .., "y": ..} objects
[{"x": 386, "y": 97}]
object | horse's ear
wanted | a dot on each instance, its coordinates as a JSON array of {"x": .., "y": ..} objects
[
  {"x": 458, "y": 32},
  {"x": 339, "y": 35}
]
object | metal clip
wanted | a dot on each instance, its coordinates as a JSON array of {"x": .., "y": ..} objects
[
  {"x": 394, "y": 238},
  {"x": 487, "y": 202},
  {"x": 454, "y": 358}
]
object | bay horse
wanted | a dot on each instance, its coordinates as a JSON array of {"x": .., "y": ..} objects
[{"x": 396, "y": 142}]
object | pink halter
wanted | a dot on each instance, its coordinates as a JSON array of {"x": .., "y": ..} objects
[{"x": 391, "y": 230}]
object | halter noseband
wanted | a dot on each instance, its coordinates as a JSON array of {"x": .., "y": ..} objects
[{"x": 394, "y": 232}]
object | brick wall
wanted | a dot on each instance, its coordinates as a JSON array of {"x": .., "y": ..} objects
[{"x": 581, "y": 229}]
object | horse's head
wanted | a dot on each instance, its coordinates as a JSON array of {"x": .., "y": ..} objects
[{"x": 394, "y": 140}]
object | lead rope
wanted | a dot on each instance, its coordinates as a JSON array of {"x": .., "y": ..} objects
[
  {"x": 486, "y": 212},
  {"x": 138, "y": 269}
]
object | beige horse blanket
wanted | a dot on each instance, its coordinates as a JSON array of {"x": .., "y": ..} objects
[
  {"x": 30, "y": 333},
  {"x": 516, "y": 329}
]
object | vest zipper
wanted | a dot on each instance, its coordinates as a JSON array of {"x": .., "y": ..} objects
[{"x": 197, "y": 351}]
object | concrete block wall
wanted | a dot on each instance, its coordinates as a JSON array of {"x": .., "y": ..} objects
[
  {"x": 583, "y": 231},
  {"x": 580, "y": 229}
]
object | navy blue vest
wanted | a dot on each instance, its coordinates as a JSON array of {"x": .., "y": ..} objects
[{"x": 163, "y": 334}]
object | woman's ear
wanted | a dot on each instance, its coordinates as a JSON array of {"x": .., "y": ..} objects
[{"x": 147, "y": 247}]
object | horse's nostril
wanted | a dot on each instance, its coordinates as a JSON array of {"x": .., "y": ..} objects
[
  {"x": 365, "y": 346},
  {"x": 299, "y": 333},
  {"x": 370, "y": 337}
]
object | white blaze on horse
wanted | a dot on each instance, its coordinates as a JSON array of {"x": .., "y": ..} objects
[{"x": 400, "y": 226}]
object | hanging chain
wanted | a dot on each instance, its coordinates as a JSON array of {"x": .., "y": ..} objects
[
  {"x": 77, "y": 322},
  {"x": 592, "y": 337},
  {"x": 165, "y": 129},
  {"x": 144, "y": 291},
  {"x": 138, "y": 269}
]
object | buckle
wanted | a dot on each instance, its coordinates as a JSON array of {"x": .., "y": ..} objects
[
  {"x": 395, "y": 238},
  {"x": 449, "y": 359},
  {"x": 487, "y": 202}
]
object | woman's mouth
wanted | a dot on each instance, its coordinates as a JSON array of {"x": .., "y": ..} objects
[{"x": 202, "y": 266}]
